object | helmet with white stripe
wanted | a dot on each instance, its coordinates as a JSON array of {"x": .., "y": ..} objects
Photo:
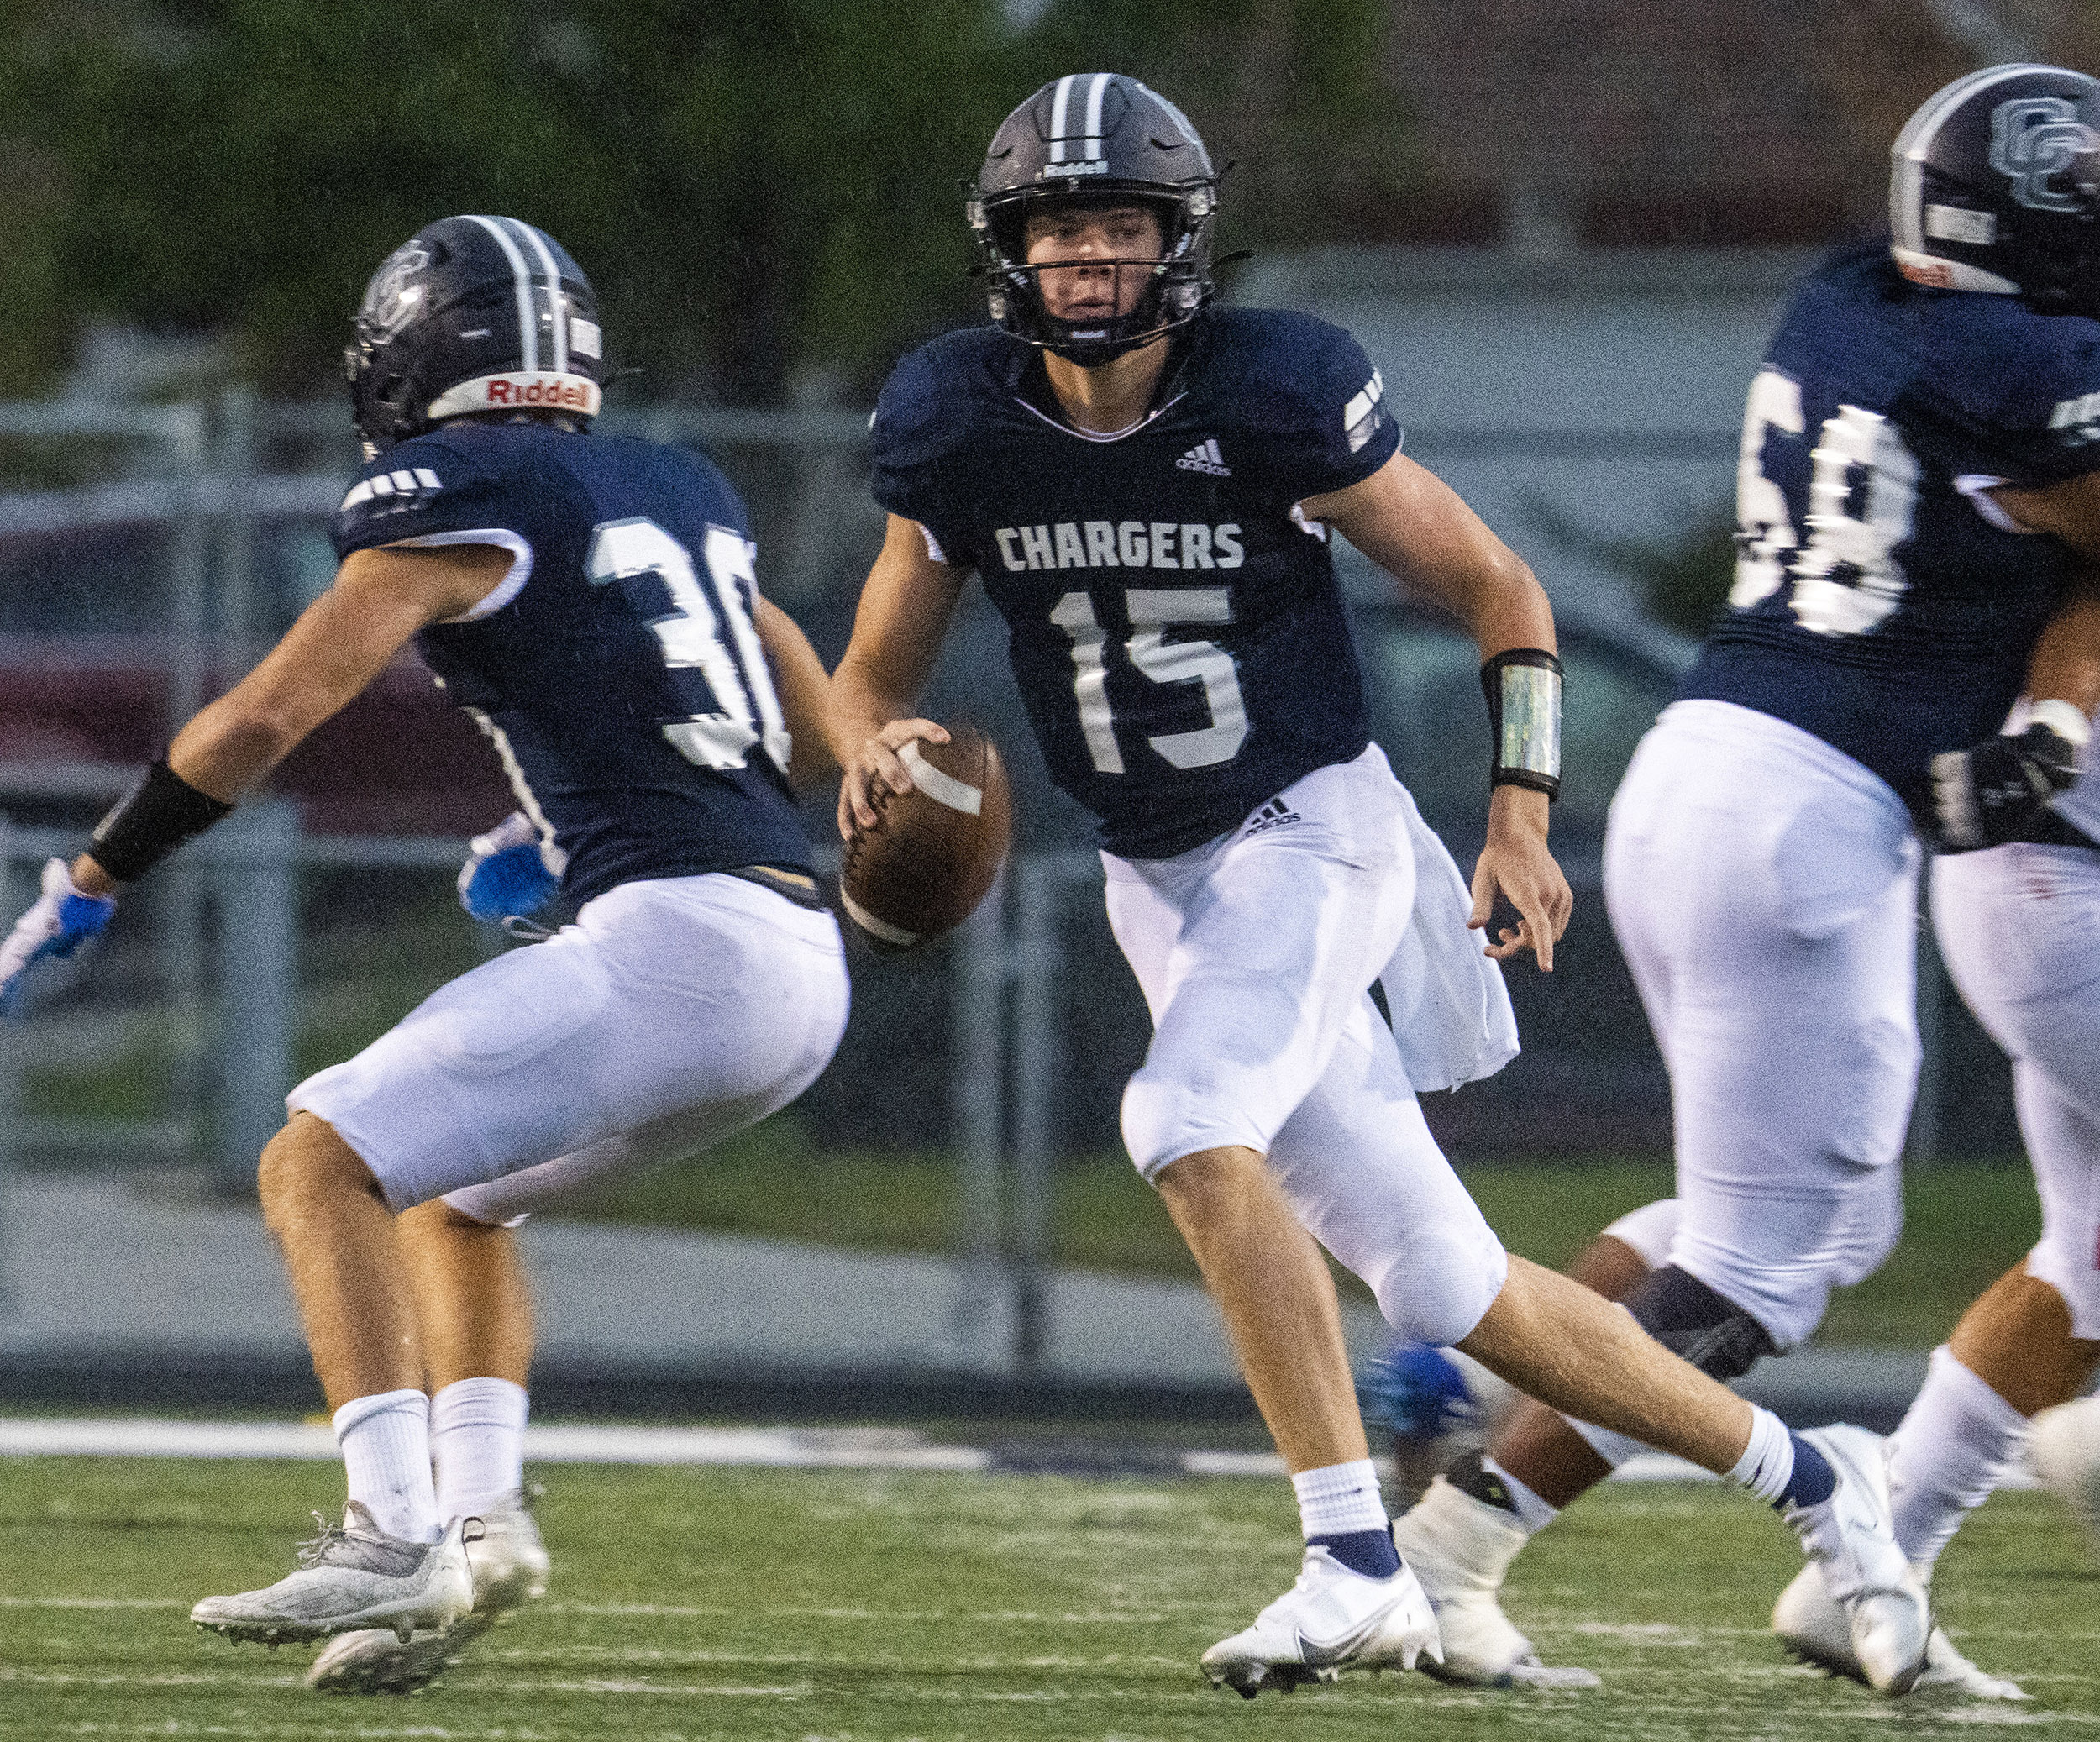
[
  {"x": 1096, "y": 138},
  {"x": 1995, "y": 187},
  {"x": 472, "y": 315}
]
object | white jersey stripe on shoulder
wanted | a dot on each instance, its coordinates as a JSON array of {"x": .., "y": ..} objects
[
  {"x": 557, "y": 318},
  {"x": 1094, "y": 94},
  {"x": 528, "y": 318},
  {"x": 1060, "y": 106}
]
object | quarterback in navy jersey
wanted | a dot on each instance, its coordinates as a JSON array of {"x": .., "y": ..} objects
[
  {"x": 1146, "y": 485},
  {"x": 1919, "y": 515},
  {"x": 1181, "y": 530},
  {"x": 592, "y": 603}
]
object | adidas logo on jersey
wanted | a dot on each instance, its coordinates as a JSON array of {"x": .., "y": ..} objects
[
  {"x": 1274, "y": 815},
  {"x": 1204, "y": 457},
  {"x": 420, "y": 481}
]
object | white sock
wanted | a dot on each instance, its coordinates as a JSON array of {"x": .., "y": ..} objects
[
  {"x": 385, "y": 1442},
  {"x": 1766, "y": 1468},
  {"x": 477, "y": 1435},
  {"x": 1338, "y": 1498},
  {"x": 1950, "y": 1453},
  {"x": 1534, "y": 1513}
]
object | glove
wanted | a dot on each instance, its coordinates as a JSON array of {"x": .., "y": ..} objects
[
  {"x": 1996, "y": 792},
  {"x": 1417, "y": 1390},
  {"x": 55, "y": 926},
  {"x": 507, "y": 876}
]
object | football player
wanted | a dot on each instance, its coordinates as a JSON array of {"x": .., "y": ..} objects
[
  {"x": 590, "y": 603},
  {"x": 1146, "y": 485},
  {"x": 1919, "y": 504}
]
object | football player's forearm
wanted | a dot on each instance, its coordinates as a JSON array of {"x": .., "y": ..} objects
[
  {"x": 229, "y": 746},
  {"x": 860, "y": 703},
  {"x": 804, "y": 692},
  {"x": 2065, "y": 663},
  {"x": 1508, "y": 609},
  {"x": 2068, "y": 511}
]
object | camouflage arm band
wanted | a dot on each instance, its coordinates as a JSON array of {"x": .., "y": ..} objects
[{"x": 1523, "y": 687}]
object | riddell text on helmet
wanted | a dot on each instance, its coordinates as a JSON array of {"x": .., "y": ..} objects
[{"x": 541, "y": 390}]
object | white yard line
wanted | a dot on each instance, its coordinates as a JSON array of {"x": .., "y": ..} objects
[
  {"x": 753, "y": 1448},
  {"x": 756, "y": 1447}
]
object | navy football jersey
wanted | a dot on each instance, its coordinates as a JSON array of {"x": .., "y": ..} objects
[
  {"x": 1881, "y": 601},
  {"x": 616, "y": 669},
  {"x": 1178, "y": 635}
]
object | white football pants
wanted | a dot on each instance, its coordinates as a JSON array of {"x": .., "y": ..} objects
[
  {"x": 1256, "y": 953},
  {"x": 671, "y": 1013},
  {"x": 1763, "y": 886},
  {"x": 2019, "y": 931}
]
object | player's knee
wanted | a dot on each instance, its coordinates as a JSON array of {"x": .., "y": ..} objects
[
  {"x": 1436, "y": 1287},
  {"x": 304, "y": 1162},
  {"x": 1164, "y": 1120},
  {"x": 1692, "y": 1321}
]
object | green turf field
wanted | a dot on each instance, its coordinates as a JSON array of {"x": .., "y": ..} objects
[{"x": 741, "y": 1603}]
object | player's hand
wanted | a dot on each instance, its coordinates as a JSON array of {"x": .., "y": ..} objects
[
  {"x": 507, "y": 877},
  {"x": 1996, "y": 791},
  {"x": 63, "y": 915},
  {"x": 1515, "y": 865},
  {"x": 876, "y": 766}
]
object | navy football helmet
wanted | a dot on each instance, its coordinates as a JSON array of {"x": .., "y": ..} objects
[
  {"x": 1997, "y": 187},
  {"x": 468, "y": 315},
  {"x": 1098, "y": 139}
]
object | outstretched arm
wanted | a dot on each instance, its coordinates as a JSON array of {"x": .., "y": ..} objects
[
  {"x": 1414, "y": 526},
  {"x": 897, "y": 635},
  {"x": 340, "y": 643}
]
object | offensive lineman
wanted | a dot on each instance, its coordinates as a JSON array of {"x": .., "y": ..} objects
[
  {"x": 590, "y": 601},
  {"x": 1919, "y": 492},
  {"x": 1146, "y": 486}
]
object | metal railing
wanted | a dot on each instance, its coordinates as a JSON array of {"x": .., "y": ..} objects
[
  {"x": 212, "y": 475},
  {"x": 1006, "y": 1040}
]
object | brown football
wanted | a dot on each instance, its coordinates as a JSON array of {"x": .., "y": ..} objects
[{"x": 933, "y": 851}]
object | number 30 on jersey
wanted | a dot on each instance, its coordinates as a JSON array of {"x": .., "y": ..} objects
[
  {"x": 707, "y": 629},
  {"x": 1862, "y": 498}
]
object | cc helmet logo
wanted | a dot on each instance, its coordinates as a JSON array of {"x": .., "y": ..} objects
[
  {"x": 2034, "y": 139},
  {"x": 395, "y": 299}
]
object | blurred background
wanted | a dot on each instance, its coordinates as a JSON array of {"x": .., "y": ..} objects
[{"x": 1564, "y": 233}]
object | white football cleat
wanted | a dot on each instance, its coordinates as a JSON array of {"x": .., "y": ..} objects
[
  {"x": 352, "y": 1576},
  {"x": 1332, "y": 1619},
  {"x": 1817, "y": 1631},
  {"x": 509, "y": 1565},
  {"x": 1853, "y": 1536},
  {"x": 2065, "y": 1449},
  {"x": 1461, "y": 1548}
]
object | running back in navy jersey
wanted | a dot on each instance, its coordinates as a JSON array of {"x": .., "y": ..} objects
[
  {"x": 616, "y": 669},
  {"x": 1177, "y": 637},
  {"x": 1879, "y": 601}
]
